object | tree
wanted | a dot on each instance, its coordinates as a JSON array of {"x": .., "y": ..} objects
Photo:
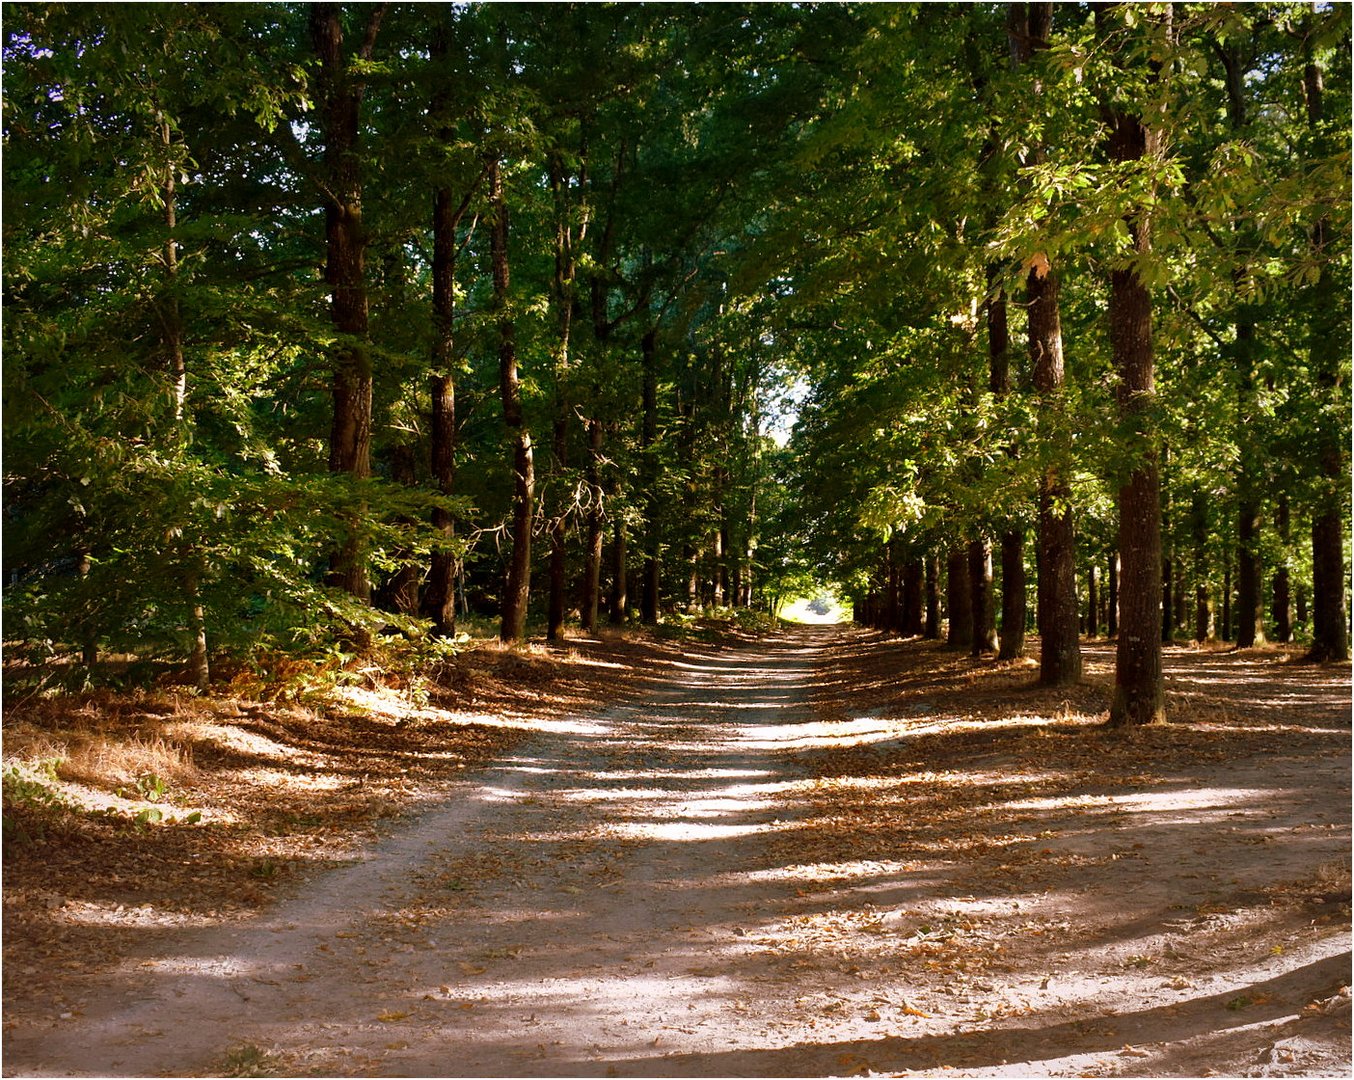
[
  {"x": 1138, "y": 692},
  {"x": 1059, "y": 645},
  {"x": 340, "y": 88}
]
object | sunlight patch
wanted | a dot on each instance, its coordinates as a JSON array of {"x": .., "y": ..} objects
[{"x": 690, "y": 830}]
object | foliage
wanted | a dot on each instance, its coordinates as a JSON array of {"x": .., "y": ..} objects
[{"x": 712, "y": 210}]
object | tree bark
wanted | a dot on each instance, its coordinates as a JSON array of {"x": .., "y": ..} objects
[
  {"x": 958, "y": 600},
  {"x": 980, "y": 587},
  {"x": 518, "y": 585},
  {"x": 1199, "y": 531},
  {"x": 592, "y": 549},
  {"x": 1281, "y": 609},
  {"x": 1059, "y": 643},
  {"x": 619, "y": 591},
  {"x": 562, "y": 300},
  {"x": 914, "y": 575},
  {"x": 931, "y": 632},
  {"x": 1056, "y": 600},
  {"x": 1112, "y": 614},
  {"x": 439, "y": 599},
  {"x": 1225, "y": 633},
  {"x": 556, "y": 603},
  {"x": 1249, "y": 627},
  {"x": 1328, "y": 337},
  {"x": 1013, "y": 600},
  {"x": 1092, "y": 600},
  {"x": 339, "y": 108},
  {"x": 171, "y": 318},
  {"x": 1138, "y": 691},
  {"x": 652, "y": 500},
  {"x": 1014, "y": 607}
]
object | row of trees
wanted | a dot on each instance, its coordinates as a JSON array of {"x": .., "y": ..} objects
[
  {"x": 325, "y": 319},
  {"x": 1118, "y": 330}
]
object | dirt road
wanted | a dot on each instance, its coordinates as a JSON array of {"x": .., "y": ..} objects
[{"x": 643, "y": 892}]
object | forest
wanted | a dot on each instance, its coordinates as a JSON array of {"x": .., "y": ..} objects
[
  {"x": 426, "y": 427},
  {"x": 324, "y": 322}
]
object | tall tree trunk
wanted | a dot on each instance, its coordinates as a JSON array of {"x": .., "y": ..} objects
[
  {"x": 340, "y": 99},
  {"x": 1328, "y": 341},
  {"x": 439, "y": 598},
  {"x": 931, "y": 632},
  {"x": 619, "y": 591},
  {"x": 1282, "y": 601},
  {"x": 1112, "y": 615},
  {"x": 980, "y": 588},
  {"x": 893, "y": 589},
  {"x": 1028, "y": 30},
  {"x": 399, "y": 591},
  {"x": 518, "y": 584},
  {"x": 1093, "y": 600},
  {"x": 1167, "y": 602},
  {"x": 914, "y": 606},
  {"x": 1249, "y": 627},
  {"x": 556, "y": 604},
  {"x": 562, "y": 301},
  {"x": 1014, "y": 608},
  {"x": 1226, "y": 632},
  {"x": 1198, "y": 515},
  {"x": 592, "y": 550},
  {"x": 958, "y": 600},
  {"x": 649, "y": 463},
  {"x": 1138, "y": 690},
  {"x": 1013, "y": 600},
  {"x": 1059, "y": 644},
  {"x": 172, "y": 323}
]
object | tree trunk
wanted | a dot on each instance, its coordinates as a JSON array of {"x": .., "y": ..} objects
[
  {"x": 555, "y": 608},
  {"x": 1014, "y": 608},
  {"x": 1112, "y": 614},
  {"x": 1226, "y": 633},
  {"x": 1327, "y": 342},
  {"x": 1282, "y": 601},
  {"x": 171, "y": 320},
  {"x": 1198, "y": 513},
  {"x": 339, "y": 108},
  {"x": 980, "y": 587},
  {"x": 1167, "y": 603},
  {"x": 562, "y": 301},
  {"x": 1093, "y": 600},
  {"x": 399, "y": 591},
  {"x": 932, "y": 629},
  {"x": 619, "y": 592},
  {"x": 914, "y": 606},
  {"x": 1138, "y": 690},
  {"x": 592, "y": 551},
  {"x": 1249, "y": 628},
  {"x": 652, "y": 499},
  {"x": 439, "y": 596},
  {"x": 958, "y": 600},
  {"x": 1059, "y": 645},
  {"x": 518, "y": 585}
]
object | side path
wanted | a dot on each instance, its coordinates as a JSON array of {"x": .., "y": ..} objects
[{"x": 580, "y": 903}]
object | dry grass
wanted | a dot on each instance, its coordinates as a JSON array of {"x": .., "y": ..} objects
[{"x": 110, "y": 764}]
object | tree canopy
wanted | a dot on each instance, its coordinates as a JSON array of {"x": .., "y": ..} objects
[{"x": 315, "y": 315}]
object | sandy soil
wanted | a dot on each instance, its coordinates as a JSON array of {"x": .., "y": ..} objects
[{"x": 822, "y": 854}]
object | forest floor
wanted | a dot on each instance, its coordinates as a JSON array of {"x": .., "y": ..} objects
[{"x": 821, "y": 853}]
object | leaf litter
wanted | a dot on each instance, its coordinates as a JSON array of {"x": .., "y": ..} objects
[{"x": 994, "y": 885}]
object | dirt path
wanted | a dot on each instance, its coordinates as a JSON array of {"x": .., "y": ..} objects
[{"x": 727, "y": 880}]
